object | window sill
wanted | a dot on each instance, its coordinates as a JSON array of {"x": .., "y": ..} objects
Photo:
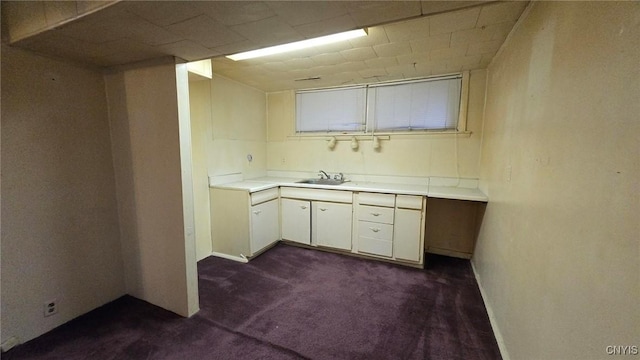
[{"x": 381, "y": 135}]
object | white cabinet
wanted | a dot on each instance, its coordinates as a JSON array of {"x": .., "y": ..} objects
[
  {"x": 296, "y": 220},
  {"x": 332, "y": 225},
  {"x": 243, "y": 224},
  {"x": 406, "y": 235},
  {"x": 390, "y": 226},
  {"x": 264, "y": 225},
  {"x": 409, "y": 228},
  {"x": 327, "y": 213}
]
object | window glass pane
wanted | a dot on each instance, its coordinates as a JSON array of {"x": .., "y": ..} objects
[
  {"x": 432, "y": 104},
  {"x": 330, "y": 110}
]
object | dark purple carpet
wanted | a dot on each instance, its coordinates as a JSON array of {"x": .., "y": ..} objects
[{"x": 292, "y": 303}]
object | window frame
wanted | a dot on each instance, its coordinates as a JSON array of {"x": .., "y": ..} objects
[{"x": 461, "y": 124}]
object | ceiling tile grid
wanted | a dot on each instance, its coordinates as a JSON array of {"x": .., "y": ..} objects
[{"x": 405, "y": 38}]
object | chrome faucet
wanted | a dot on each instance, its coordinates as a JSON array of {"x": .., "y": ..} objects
[
  {"x": 325, "y": 174},
  {"x": 339, "y": 176}
]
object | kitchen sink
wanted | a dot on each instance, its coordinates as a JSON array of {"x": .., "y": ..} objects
[{"x": 321, "y": 181}]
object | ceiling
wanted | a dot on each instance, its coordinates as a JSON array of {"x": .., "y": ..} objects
[{"x": 438, "y": 37}]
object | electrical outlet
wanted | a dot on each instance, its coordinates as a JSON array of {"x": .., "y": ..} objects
[{"x": 50, "y": 307}]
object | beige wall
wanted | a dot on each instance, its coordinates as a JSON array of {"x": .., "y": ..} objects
[
  {"x": 558, "y": 253},
  {"x": 60, "y": 236},
  {"x": 228, "y": 123},
  {"x": 239, "y": 128},
  {"x": 409, "y": 155},
  {"x": 145, "y": 133},
  {"x": 200, "y": 106}
]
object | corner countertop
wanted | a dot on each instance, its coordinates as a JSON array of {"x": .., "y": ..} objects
[{"x": 443, "y": 192}]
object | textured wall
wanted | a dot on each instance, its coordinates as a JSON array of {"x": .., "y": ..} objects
[
  {"x": 60, "y": 237},
  {"x": 558, "y": 251}
]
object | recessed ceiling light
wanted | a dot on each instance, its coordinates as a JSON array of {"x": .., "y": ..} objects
[{"x": 298, "y": 45}]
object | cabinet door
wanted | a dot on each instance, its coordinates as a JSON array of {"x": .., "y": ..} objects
[
  {"x": 296, "y": 220},
  {"x": 406, "y": 235},
  {"x": 264, "y": 225},
  {"x": 332, "y": 224}
]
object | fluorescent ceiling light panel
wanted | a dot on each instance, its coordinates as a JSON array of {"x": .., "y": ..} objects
[{"x": 299, "y": 45}]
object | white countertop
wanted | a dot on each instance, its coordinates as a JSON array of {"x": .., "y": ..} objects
[{"x": 444, "y": 192}]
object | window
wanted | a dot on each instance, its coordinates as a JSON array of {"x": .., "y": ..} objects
[
  {"x": 339, "y": 109},
  {"x": 425, "y": 104}
]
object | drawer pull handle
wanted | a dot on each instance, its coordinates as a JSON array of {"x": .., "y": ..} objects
[
  {"x": 302, "y": 207},
  {"x": 323, "y": 209},
  {"x": 375, "y": 214},
  {"x": 374, "y": 229},
  {"x": 257, "y": 212}
]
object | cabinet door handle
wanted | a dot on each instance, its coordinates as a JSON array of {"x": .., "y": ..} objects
[
  {"x": 323, "y": 209},
  {"x": 374, "y": 229},
  {"x": 257, "y": 212},
  {"x": 375, "y": 214},
  {"x": 303, "y": 207}
]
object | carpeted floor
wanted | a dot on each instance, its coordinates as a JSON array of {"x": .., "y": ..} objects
[{"x": 293, "y": 303}]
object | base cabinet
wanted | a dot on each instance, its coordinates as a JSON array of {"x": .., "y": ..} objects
[
  {"x": 264, "y": 225},
  {"x": 296, "y": 220},
  {"x": 390, "y": 226},
  {"x": 243, "y": 224},
  {"x": 332, "y": 225}
]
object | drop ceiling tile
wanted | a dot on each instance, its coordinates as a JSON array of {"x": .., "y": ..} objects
[
  {"x": 58, "y": 11},
  {"x": 90, "y": 30},
  {"x": 448, "y": 53},
  {"x": 430, "y": 43},
  {"x": 424, "y": 69},
  {"x": 376, "y": 35},
  {"x": 205, "y": 31},
  {"x": 413, "y": 58},
  {"x": 501, "y": 12},
  {"x": 500, "y": 31},
  {"x": 356, "y": 54},
  {"x": 366, "y": 13},
  {"x": 408, "y": 30},
  {"x": 485, "y": 60},
  {"x": 236, "y": 47},
  {"x": 392, "y": 49},
  {"x": 235, "y": 12},
  {"x": 305, "y": 12},
  {"x": 454, "y": 21},
  {"x": 188, "y": 50},
  {"x": 277, "y": 66},
  {"x": 267, "y": 32},
  {"x": 381, "y": 62},
  {"x": 404, "y": 71},
  {"x": 350, "y": 66},
  {"x": 485, "y": 47},
  {"x": 465, "y": 37},
  {"x": 162, "y": 13},
  {"x": 372, "y": 73},
  {"x": 328, "y": 59},
  {"x": 326, "y": 27},
  {"x": 433, "y": 7},
  {"x": 300, "y": 63}
]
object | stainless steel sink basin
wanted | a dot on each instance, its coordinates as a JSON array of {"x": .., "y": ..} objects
[{"x": 321, "y": 181}]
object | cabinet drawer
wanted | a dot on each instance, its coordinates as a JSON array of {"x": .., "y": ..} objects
[
  {"x": 375, "y": 214},
  {"x": 388, "y": 200},
  {"x": 375, "y": 230},
  {"x": 375, "y": 246},
  {"x": 263, "y": 196},
  {"x": 409, "y": 202}
]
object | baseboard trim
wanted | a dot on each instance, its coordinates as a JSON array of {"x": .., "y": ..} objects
[
  {"x": 492, "y": 319},
  {"x": 230, "y": 257}
]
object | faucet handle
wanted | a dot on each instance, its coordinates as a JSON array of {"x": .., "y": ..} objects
[{"x": 339, "y": 176}]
